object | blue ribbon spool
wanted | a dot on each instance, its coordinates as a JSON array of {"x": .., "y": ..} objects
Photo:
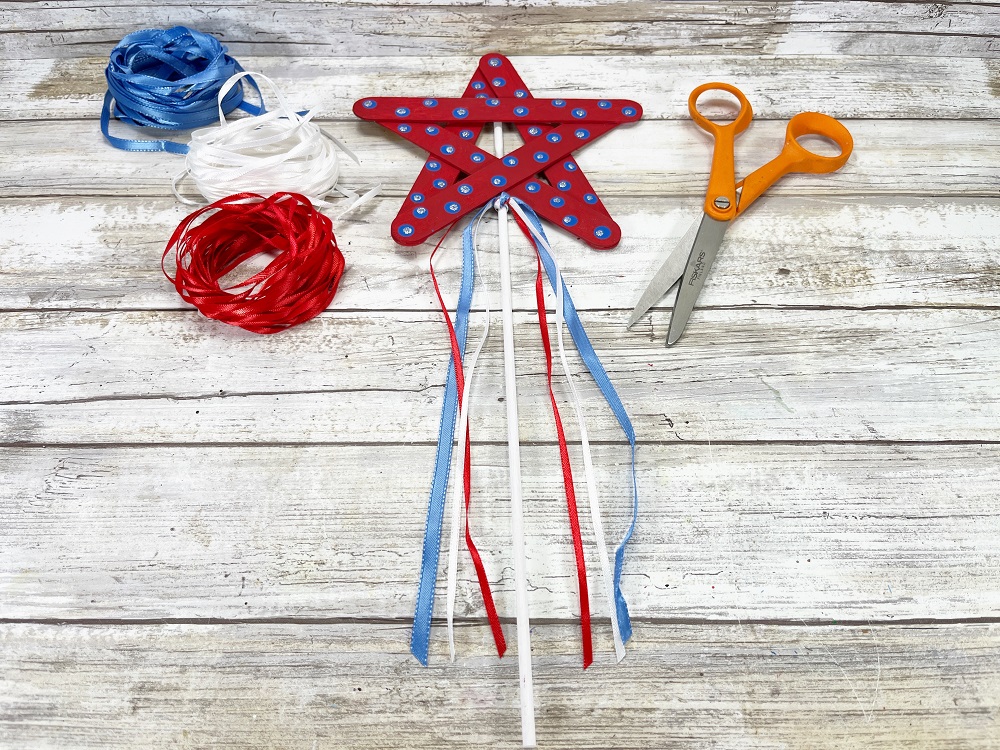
[{"x": 169, "y": 80}]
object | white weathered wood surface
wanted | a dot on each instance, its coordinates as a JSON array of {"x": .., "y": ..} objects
[
  {"x": 735, "y": 532},
  {"x": 212, "y": 539},
  {"x": 353, "y": 685}
]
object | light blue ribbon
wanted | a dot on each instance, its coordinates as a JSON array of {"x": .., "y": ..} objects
[
  {"x": 421, "y": 635},
  {"x": 600, "y": 375},
  {"x": 169, "y": 80}
]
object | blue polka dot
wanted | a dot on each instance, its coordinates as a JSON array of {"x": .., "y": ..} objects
[
  {"x": 579, "y": 112},
  {"x": 553, "y": 138},
  {"x": 480, "y": 96},
  {"x": 478, "y": 86},
  {"x": 402, "y": 111},
  {"x": 433, "y": 166},
  {"x": 557, "y": 202},
  {"x": 510, "y": 161},
  {"x": 569, "y": 220},
  {"x": 494, "y": 62},
  {"x": 460, "y": 112},
  {"x": 541, "y": 157},
  {"x": 440, "y": 184},
  {"x": 432, "y": 130},
  {"x": 465, "y": 189},
  {"x": 520, "y": 111},
  {"x": 406, "y": 230},
  {"x": 581, "y": 133},
  {"x": 403, "y": 128},
  {"x": 590, "y": 198},
  {"x": 452, "y": 207},
  {"x": 417, "y": 197},
  {"x": 430, "y": 102},
  {"x": 628, "y": 111},
  {"x": 532, "y": 187},
  {"x": 563, "y": 185},
  {"x": 534, "y": 130},
  {"x": 448, "y": 149},
  {"x": 478, "y": 157},
  {"x": 466, "y": 135},
  {"x": 602, "y": 232},
  {"x": 604, "y": 104},
  {"x": 369, "y": 104},
  {"x": 569, "y": 166},
  {"x": 499, "y": 82},
  {"x": 420, "y": 212},
  {"x": 558, "y": 102},
  {"x": 492, "y": 102},
  {"x": 521, "y": 94},
  {"x": 498, "y": 181}
]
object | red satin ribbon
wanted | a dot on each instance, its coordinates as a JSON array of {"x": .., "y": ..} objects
[
  {"x": 574, "y": 518},
  {"x": 298, "y": 283},
  {"x": 477, "y": 561}
]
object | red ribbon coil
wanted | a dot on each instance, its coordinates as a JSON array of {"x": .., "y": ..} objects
[{"x": 297, "y": 284}]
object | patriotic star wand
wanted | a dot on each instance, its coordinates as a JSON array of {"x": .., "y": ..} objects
[{"x": 541, "y": 176}]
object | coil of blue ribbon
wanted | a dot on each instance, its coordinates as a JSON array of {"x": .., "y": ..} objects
[{"x": 169, "y": 80}]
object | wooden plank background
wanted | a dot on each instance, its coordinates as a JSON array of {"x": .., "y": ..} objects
[{"x": 212, "y": 539}]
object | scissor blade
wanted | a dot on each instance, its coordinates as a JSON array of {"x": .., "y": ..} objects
[
  {"x": 667, "y": 276},
  {"x": 706, "y": 247}
]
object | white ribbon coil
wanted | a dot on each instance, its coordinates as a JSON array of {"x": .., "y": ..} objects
[{"x": 280, "y": 150}]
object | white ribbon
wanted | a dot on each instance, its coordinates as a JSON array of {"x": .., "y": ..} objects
[
  {"x": 469, "y": 367},
  {"x": 280, "y": 150}
]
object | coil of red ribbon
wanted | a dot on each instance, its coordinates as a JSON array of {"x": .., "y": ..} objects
[{"x": 295, "y": 286}]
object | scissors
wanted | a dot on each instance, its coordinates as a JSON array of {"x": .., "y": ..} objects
[{"x": 726, "y": 198}]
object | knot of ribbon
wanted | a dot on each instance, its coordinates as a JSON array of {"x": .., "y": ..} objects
[
  {"x": 280, "y": 150},
  {"x": 168, "y": 79},
  {"x": 297, "y": 283}
]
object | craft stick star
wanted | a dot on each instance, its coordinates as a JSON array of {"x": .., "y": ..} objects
[{"x": 458, "y": 177}]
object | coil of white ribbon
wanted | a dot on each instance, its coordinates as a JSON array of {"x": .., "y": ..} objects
[{"x": 280, "y": 150}]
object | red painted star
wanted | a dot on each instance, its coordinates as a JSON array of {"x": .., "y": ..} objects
[{"x": 459, "y": 177}]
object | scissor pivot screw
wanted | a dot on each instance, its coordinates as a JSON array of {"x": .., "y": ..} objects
[{"x": 722, "y": 202}]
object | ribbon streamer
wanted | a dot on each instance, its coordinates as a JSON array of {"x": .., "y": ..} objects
[
  {"x": 168, "y": 80},
  {"x": 280, "y": 150},
  {"x": 567, "y": 471},
  {"x": 469, "y": 367},
  {"x": 588, "y": 463},
  {"x": 593, "y": 363},
  {"x": 565, "y": 312},
  {"x": 295, "y": 286},
  {"x": 458, "y": 333},
  {"x": 466, "y": 463}
]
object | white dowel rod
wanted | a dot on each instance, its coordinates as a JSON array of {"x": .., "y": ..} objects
[{"x": 527, "y": 692}]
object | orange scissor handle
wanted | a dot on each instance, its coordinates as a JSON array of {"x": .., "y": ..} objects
[
  {"x": 796, "y": 158},
  {"x": 720, "y": 200}
]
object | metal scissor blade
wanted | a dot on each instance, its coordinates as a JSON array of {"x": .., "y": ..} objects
[
  {"x": 667, "y": 276},
  {"x": 706, "y": 247}
]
